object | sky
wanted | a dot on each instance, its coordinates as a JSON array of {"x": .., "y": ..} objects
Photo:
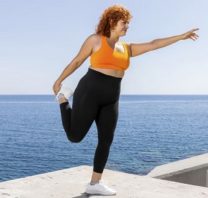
[{"x": 39, "y": 38}]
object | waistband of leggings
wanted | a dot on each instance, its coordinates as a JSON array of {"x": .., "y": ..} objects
[{"x": 102, "y": 75}]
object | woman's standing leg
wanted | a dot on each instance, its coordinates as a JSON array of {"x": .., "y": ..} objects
[{"x": 106, "y": 121}]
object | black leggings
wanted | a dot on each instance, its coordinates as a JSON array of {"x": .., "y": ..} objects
[{"x": 96, "y": 97}]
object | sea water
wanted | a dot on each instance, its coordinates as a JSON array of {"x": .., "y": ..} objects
[{"x": 151, "y": 130}]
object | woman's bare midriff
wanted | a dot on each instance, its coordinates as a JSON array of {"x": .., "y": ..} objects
[{"x": 110, "y": 72}]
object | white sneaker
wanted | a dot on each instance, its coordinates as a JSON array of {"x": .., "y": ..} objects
[
  {"x": 64, "y": 91},
  {"x": 100, "y": 189}
]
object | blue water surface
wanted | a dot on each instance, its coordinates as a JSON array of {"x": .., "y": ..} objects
[{"x": 151, "y": 130}]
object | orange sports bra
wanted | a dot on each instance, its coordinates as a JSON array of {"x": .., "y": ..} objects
[{"x": 108, "y": 58}]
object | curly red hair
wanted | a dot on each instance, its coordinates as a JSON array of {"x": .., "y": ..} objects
[{"x": 113, "y": 14}]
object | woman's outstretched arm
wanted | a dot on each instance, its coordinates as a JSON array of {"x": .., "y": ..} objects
[{"x": 141, "y": 48}]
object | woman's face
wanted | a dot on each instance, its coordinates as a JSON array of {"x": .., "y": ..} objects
[{"x": 121, "y": 27}]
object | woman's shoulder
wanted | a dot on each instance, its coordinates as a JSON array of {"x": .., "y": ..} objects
[
  {"x": 94, "y": 37},
  {"x": 94, "y": 40}
]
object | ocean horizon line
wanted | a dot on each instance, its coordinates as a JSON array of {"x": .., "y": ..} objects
[{"x": 120, "y": 94}]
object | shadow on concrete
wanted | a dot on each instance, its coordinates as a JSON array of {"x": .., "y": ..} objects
[{"x": 85, "y": 195}]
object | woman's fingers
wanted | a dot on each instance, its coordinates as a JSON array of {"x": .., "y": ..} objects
[
  {"x": 195, "y": 29},
  {"x": 193, "y": 35},
  {"x": 196, "y": 36},
  {"x": 192, "y": 31},
  {"x": 193, "y": 38}
]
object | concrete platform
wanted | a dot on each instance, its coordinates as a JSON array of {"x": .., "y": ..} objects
[
  {"x": 192, "y": 170},
  {"x": 180, "y": 166},
  {"x": 71, "y": 182}
]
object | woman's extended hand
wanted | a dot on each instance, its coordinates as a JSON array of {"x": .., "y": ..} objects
[
  {"x": 190, "y": 34},
  {"x": 56, "y": 87}
]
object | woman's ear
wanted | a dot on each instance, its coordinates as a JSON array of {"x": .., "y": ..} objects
[{"x": 111, "y": 24}]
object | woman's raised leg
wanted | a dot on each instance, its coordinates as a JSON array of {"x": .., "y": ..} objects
[{"x": 78, "y": 119}]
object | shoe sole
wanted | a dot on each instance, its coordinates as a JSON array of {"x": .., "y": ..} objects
[{"x": 97, "y": 193}]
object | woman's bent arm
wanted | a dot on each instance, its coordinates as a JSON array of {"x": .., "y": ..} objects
[
  {"x": 83, "y": 54},
  {"x": 69, "y": 69}
]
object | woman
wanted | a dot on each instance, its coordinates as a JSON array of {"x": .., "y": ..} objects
[{"x": 96, "y": 96}]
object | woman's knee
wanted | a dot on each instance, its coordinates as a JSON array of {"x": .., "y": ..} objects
[
  {"x": 74, "y": 137},
  {"x": 76, "y": 131}
]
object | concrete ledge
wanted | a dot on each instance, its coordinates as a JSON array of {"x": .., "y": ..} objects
[
  {"x": 71, "y": 182},
  {"x": 180, "y": 166},
  {"x": 191, "y": 170}
]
